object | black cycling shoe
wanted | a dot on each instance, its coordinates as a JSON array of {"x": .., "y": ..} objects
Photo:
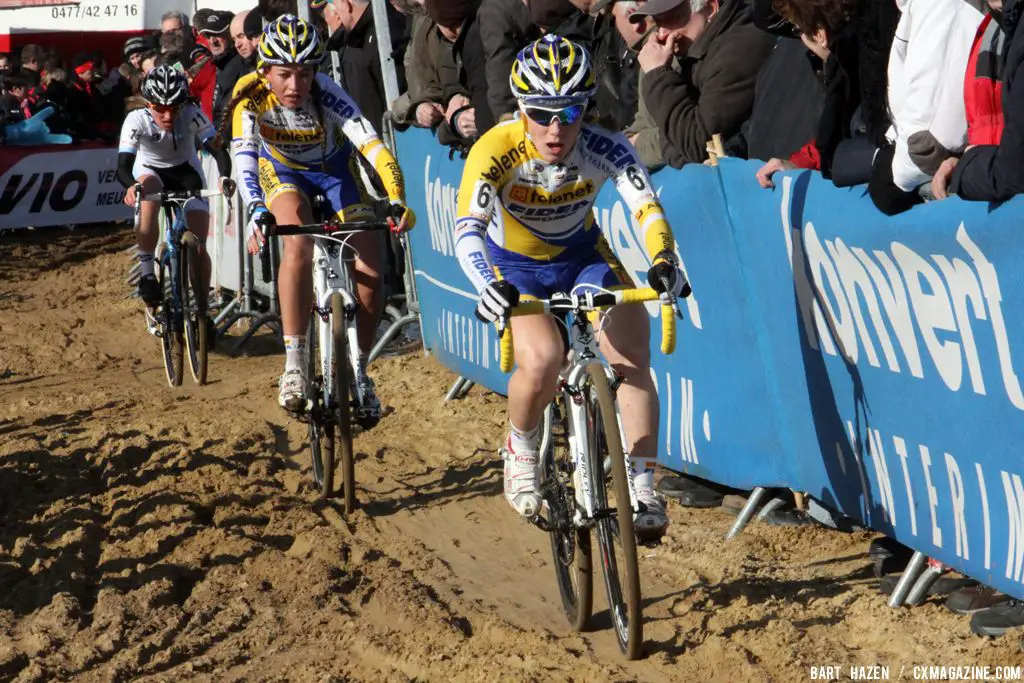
[{"x": 149, "y": 291}]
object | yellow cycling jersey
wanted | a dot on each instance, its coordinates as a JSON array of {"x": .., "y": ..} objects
[
  {"x": 304, "y": 138},
  {"x": 529, "y": 208}
]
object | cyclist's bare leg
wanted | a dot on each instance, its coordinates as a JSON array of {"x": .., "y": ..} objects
[
  {"x": 295, "y": 281},
  {"x": 198, "y": 224},
  {"x": 627, "y": 348},
  {"x": 149, "y": 231},
  {"x": 540, "y": 354},
  {"x": 369, "y": 284}
]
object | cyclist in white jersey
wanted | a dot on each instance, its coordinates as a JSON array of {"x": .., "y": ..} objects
[{"x": 158, "y": 151}]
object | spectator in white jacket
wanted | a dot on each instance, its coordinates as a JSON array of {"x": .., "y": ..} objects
[{"x": 926, "y": 97}]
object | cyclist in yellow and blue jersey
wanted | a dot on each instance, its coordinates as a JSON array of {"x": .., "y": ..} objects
[
  {"x": 526, "y": 229},
  {"x": 296, "y": 134}
]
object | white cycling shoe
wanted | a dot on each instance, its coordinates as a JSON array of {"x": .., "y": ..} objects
[
  {"x": 292, "y": 396},
  {"x": 652, "y": 523},
  {"x": 522, "y": 480}
]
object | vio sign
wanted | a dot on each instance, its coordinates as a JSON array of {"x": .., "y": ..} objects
[{"x": 45, "y": 190}]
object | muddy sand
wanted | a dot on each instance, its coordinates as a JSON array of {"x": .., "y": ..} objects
[{"x": 158, "y": 534}]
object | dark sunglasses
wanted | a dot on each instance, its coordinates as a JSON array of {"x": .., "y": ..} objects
[
  {"x": 161, "y": 109},
  {"x": 566, "y": 116}
]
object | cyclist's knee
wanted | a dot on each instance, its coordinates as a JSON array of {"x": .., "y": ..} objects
[
  {"x": 540, "y": 359},
  {"x": 298, "y": 250}
]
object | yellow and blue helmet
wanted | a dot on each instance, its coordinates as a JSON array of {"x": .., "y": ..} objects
[
  {"x": 290, "y": 40},
  {"x": 552, "y": 69}
]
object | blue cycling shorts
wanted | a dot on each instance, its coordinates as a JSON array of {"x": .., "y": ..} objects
[
  {"x": 339, "y": 181},
  {"x": 597, "y": 267}
]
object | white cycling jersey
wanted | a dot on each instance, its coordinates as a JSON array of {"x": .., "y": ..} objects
[{"x": 158, "y": 148}]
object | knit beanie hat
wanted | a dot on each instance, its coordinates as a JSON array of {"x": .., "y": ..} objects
[
  {"x": 451, "y": 12},
  {"x": 548, "y": 13}
]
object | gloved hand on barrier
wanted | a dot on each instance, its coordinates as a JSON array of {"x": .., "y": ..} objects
[
  {"x": 497, "y": 301},
  {"x": 34, "y": 131},
  {"x": 666, "y": 276}
]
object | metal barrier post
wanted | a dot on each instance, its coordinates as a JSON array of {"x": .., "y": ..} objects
[
  {"x": 747, "y": 513},
  {"x": 899, "y": 594}
]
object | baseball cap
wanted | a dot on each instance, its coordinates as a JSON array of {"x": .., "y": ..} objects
[
  {"x": 600, "y": 5},
  {"x": 214, "y": 23},
  {"x": 654, "y": 7}
]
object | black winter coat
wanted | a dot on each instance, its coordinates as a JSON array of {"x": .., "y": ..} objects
[
  {"x": 230, "y": 67},
  {"x": 996, "y": 172},
  {"x": 464, "y": 69},
  {"x": 715, "y": 91},
  {"x": 360, "y": 63}
]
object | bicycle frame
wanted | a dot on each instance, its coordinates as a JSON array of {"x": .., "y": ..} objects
[
  {"x": 583, "y": 346},
  {"x": 331, "y": 276}
]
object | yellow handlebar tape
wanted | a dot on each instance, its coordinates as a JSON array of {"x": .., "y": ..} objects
[{"x": 507, "y": 352}]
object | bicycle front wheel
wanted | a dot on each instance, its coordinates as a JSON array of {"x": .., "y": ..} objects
[
  {"x": 171, "y": 341},
  {"x": 193, "y": 307},
  {"x": 614, "y": 513},
  {"x": 321, "y": 431},
  {"x": 342, "y": 401},
  {"x": 570, "y": 545}
]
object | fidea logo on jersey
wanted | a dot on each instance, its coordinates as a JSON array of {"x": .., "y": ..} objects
[{"x": 863, "y": 295}]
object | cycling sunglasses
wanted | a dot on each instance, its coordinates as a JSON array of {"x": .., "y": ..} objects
[
  {"x": 545, "y": 116},
  {"x": 161, "y": 109}
]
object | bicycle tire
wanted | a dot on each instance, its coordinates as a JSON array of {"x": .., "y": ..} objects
[
  {"x": 170, "y": 339},
  {"x": 570, "y": 546},
  {"x": 193, "y": 309},
  {"x": 321, "y": 436},
  {"x": 342, "y": 402},
  {"x": 623, "y": 591}
]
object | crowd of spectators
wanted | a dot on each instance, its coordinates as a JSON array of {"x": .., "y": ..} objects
[{"x": 906, "y": 96}]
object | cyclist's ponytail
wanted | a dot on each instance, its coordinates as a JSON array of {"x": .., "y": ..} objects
[{"x": 224, "y": 126}]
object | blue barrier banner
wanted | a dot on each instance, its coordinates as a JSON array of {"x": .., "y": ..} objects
[{"x": 869, "y": 361}]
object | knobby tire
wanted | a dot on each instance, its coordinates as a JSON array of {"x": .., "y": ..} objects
[
  {"x": 570, "y": 548},
  {"x": 193, "y": 306},
  {"x": 342, "y": 407},
  {"x": 171, "y": 339},
  {"x": 321, "y": 432},
  {"x": 622, "y": 582}
]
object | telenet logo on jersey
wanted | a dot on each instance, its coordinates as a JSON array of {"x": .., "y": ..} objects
[
  {"x": 534, "y": 195},
  {"x": 278, "y": 136}
]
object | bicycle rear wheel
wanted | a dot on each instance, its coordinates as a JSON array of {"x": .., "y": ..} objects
[
  {"x": 321, "y": 432},
  {"x": 342, "y": 401},
  {"x": 171, "y": 338},
  {"x": 615, "y": 524},
  {"x": 570, "y": 545},
  {"x": 193, "y": 307}
]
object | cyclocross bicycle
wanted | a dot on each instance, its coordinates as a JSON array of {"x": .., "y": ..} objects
[
  {"x": 332, "y": 347},
  {"x": 586, "y": 480},
  {"x": 180, "y": 321}
]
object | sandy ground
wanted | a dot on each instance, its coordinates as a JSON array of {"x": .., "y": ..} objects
[{"x": 150, "y": 533}]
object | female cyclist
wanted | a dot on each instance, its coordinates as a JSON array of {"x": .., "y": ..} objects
[
  {"x": 526, "y": 228},
  {"x": 295, "y": 135},
  {"x": 158, "y": 151}
]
